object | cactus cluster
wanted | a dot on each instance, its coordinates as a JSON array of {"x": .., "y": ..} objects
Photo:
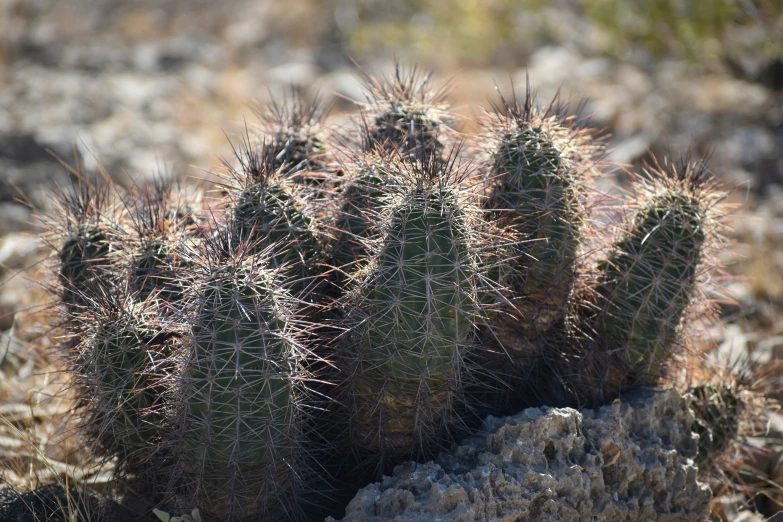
[{"x": 363, "y": 294}]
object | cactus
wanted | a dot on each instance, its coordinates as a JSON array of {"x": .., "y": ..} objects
[
  {"x": 404, "y": 115},
  {"x": 209, "y": 351},
  {"x": 362, "y": 192}
]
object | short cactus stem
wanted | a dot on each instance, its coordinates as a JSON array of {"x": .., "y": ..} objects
[
  {"x": 238, "y": 445},
  {"x": 412, "y": 317},
  {"x": 86, "y": 242},
  {"x": 292, "y": 131},
  {"x": 406, "y": 113},
  {"x": 122, "y": 363},
  {"x": 363, "y": 193},
  {"x": 717, "y": 411},
  {"x": 161, "y": 220},
  {"x": 267, "y": 216},
  {"x": 81, "y": 258},
  {"x": 541, "y": 160},
  {"x": 648, "y": 282}
]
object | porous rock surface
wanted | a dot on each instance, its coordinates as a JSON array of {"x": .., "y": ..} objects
[{"x": 631, "y": 460}]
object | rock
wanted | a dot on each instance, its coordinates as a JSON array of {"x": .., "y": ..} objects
[
  {"x": 628, "y": 461},
  {"x": 630, "y": 149},
  {"x": 16, "y": 250}
]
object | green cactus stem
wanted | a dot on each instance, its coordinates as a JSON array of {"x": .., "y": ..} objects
[
  {"x": 411, "y": 320},
  {"x": 121, "y": 364},
  {"x": 363, "y": 193},
  {"x": 161, "y": 220},
  {"x": 541, "y": 162},
  {"x": 266, "y": 214},
  {"x": 240, "y": 392},
  {"x": 86, "y": 241},
  {"x": 648, "y": 281}
]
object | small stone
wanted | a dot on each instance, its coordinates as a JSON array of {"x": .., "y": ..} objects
[{"x": 16, "y": 250}]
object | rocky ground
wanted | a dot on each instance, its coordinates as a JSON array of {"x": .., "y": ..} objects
[{"x": 148, "y": 87}]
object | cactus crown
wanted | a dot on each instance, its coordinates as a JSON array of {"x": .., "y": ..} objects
[
  {"x": 405, "y": 112},
  {"x": 292, "y": 130}
]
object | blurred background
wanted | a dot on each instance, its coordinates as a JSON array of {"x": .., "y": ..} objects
[{"x": 145, "y": 86}]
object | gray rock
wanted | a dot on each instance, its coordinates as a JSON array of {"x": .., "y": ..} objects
[
  {"x": 628, "y": 461},
  {"x": 16, "y": 250}
]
